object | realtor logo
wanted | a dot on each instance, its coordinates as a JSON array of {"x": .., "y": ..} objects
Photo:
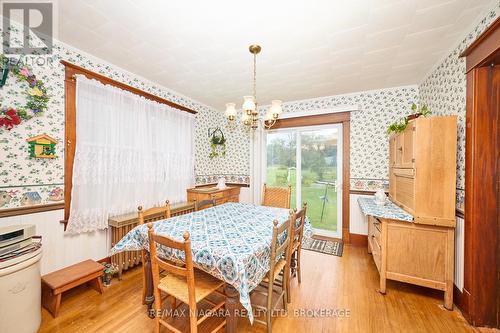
[{"x": 35, "y": 20}]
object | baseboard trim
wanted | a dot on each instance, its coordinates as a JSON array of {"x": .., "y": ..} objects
[
  {"x": 358, "y": 240},
  {"x": 460, "y": 299}
]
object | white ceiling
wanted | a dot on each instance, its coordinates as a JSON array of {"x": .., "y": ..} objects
[{"x": 309, "y": 48}]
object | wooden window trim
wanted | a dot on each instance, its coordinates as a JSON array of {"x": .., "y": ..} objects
[
  {"x": 30, "y": 209},
  {"x": 343, "y": 118},
  {"x": 70, "y": 119}
]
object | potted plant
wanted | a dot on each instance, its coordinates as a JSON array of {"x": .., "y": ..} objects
[
  {"x": 109, "y": 271},
  {"x": 217, "y": 143},
  {"x": 424, "y": 111},
  {"x": 400, "y": 125}
]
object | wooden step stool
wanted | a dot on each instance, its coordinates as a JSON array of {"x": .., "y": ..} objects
[{"x": 55, "y": 283}]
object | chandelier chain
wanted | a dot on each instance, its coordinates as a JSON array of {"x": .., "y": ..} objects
[{"x": 255, "y": 77}]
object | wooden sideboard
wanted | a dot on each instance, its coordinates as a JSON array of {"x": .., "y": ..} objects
[
  {"x": 229, "y": 194},
  {"x": 413, "y": 253}
]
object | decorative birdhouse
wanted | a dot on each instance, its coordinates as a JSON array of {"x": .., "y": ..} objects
[
  {"x": 31, "y": 198},
  {"x": 42, "y": 146}
]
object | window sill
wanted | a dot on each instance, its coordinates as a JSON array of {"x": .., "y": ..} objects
[{"x": 30, "y": 209}]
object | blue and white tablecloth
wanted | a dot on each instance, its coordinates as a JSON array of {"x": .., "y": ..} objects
[{"x": 231, "y": 242}]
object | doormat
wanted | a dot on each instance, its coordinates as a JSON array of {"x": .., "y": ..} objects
[{"x": 332, "y": 247}]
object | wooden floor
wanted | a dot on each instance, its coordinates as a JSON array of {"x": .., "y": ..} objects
[{"x": 328, "y": 282}]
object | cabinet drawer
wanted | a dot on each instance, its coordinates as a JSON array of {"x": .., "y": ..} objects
[
  {"x": 233, "y": 198},
  {"x": 377, "y": 227},
  {"x": 217, "y": 195},
  {"x": 234, "y": 191},
  {"x": 408, "y": 173},
  {"x": 376, "y": 246}
]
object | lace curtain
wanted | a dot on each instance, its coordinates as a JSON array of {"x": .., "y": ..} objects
[{"x": 130, "y": 151}]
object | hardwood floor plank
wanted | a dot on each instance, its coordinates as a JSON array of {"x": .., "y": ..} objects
[{"x": 335, "y": 283}]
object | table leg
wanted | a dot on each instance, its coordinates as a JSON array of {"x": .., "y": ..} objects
[
  {"x": 150, "y": 298},
  {"x": 232, "y": 300}
]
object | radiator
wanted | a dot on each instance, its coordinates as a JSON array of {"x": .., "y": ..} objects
[
  {"x": 459, "y": 254},
  {"x": 121, "y": 225}
]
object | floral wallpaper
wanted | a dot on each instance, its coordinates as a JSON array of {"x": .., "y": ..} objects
[
  {"x": 369, "y": 144},
  {"x": 27, "y": 181},
  {"x": 444, "y": 92}
]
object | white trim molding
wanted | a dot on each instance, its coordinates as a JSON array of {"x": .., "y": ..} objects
[{"x": 338, "y": 109}]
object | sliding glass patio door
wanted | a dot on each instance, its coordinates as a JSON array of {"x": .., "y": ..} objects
[{"x": 310, "y": 160}]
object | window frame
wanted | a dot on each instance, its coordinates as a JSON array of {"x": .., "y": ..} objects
[{"x": 70, "y": 70}]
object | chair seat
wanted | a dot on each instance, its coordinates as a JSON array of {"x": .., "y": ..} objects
[
  {"x": 177, "y": 286},
  {"x": 277, "y": 269}
]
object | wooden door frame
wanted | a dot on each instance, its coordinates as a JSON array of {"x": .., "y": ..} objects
[
  {"x": 343, "y": 118},
  {"x": 479, "y": 300}
]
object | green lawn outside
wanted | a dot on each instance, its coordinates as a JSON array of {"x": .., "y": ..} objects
[{"x": 311, "y": 193}]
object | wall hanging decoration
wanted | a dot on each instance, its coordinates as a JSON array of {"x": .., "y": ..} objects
[
  {"x": 5, "y": 198},
  {"x": 42, "y": 146},
  {"x": 217, "y": 143},
  {"x": 56, "y": 194},
  {"x": 36, "y": 94},
  {"x": 4, "y": 69}
]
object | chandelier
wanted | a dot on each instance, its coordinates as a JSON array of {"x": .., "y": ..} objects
[{"x": 251, "y": 117}]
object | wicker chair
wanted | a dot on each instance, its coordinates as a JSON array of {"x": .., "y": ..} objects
[
  {"x": 186, "y": 284},
  {"x": 276, "y": 196},
  {"x": 146, "y": 216},
  {"x": 277, "y": 269}
]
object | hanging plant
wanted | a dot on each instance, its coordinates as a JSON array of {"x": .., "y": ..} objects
[
  {"x": 36, "y": 96},
  {"x": 217, "y": 143}
]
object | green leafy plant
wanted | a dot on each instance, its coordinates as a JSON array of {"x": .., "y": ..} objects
[
  {"x": 400, "y": 125},
  {"x": 424, "y": 110},
  {"x": 217, "y": 144},
  {"x": 397, "y": 126},
  {"x": 37, "y": 97}
]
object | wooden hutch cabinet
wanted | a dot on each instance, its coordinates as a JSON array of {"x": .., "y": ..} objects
[
  {"x": 422, "y": 169},
  {"x": 412, "y": 237}
]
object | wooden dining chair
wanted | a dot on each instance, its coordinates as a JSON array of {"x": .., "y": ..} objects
[
  {"x": 296, "y": 236},
  {"x": 276, "y": 196},
  {"x": 186, "y": 284},
  {"x": 279, "y": 259},
  {"x": 199, "y": 205},
  {"x": 150, "y": 215}
]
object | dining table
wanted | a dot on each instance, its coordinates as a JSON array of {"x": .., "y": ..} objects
[{"x": 231, "y": 242}]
